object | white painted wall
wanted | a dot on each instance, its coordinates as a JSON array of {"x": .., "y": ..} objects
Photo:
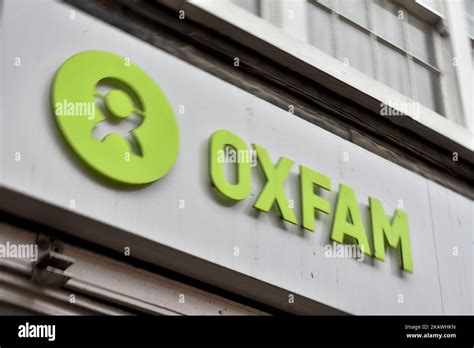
[{"x": 279, "y": 254}]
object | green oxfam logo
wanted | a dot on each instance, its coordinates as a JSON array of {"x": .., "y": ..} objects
[{"x": 92, "y": 89}]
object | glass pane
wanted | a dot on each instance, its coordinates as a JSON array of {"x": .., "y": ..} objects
[
  {"x": 249, "y": 5},
  {"x": 388, "y": 23},
  {"x": 421, "y": 40},
  {"x": 394, "y": 69},
  {"x": 320, "y": 29},
  {"x": 470, "y": 16},
  {"x": 272, "y": 13},
  {"x": 427, "y": 87},
  {"x": 355, "y": 47},
  {"x": 469, "y": 6},
  {"x": 355, "y": 10}
]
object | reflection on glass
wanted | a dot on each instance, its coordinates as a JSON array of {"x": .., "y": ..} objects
[
  {"x": 320, "y": 32},
  {"x": 393, "y": 69},
  {"x": 427, "y": 88},
  {"x": 420, "y": 40},
  {"x": 470, "y": 16},
  {"x": 355, "y": 10},
  {"x": 356, "y": 50},
  {"x": 388, "y": 22}
]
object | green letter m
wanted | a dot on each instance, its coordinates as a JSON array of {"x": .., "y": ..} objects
[{"x": 395, "y": 234}]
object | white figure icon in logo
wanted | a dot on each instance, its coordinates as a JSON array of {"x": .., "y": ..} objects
[{"x": 123, "y": 115}]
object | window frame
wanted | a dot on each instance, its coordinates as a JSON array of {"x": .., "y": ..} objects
[
  {"x": 252, "y": 31},
  {"x": 376, "y": 39}
]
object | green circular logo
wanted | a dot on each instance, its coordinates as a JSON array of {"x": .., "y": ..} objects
[{"x": 94, "y": 88}]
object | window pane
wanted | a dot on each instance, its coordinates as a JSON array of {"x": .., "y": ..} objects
[
  {"x": 387, "y": 22},
  {"x": 421, "y": 40},
  {"x": 394, "y": 69},
  {"x": 355, "y": 10},
  {"x": 469, "y": 6},
  {"x": 272, "y": 13},
  {"x": 355, "y": 46},
  {"x": 249, "y": 5},
  {"x": 427, "y": 87},
  {"x": 320, "y": 29},
  {"x": 470, "y": 16}
]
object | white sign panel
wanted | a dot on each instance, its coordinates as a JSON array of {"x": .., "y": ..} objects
[{"x": 182, "y": 210}]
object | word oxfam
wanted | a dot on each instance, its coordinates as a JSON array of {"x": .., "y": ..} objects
[
  {"x": 107, "y": 88},
  {"x": 347, "y": 221}
]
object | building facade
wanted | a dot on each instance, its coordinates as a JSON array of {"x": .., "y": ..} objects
[{"x": 236, "y": 157}]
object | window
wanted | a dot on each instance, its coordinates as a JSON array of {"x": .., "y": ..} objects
[
  {"x": 411, "y": 46},
  {"x": 319, "y": 35},
  {"x": 270, "y": 10},
  {"x": 470, "y": 16},
  {"x": 382, "y": 40},
  {"x": 377, "y": 37}
]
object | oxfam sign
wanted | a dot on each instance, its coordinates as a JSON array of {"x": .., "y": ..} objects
[
  {"x": 93, "y": 88},
  {"x": 347, "y": 221}
]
